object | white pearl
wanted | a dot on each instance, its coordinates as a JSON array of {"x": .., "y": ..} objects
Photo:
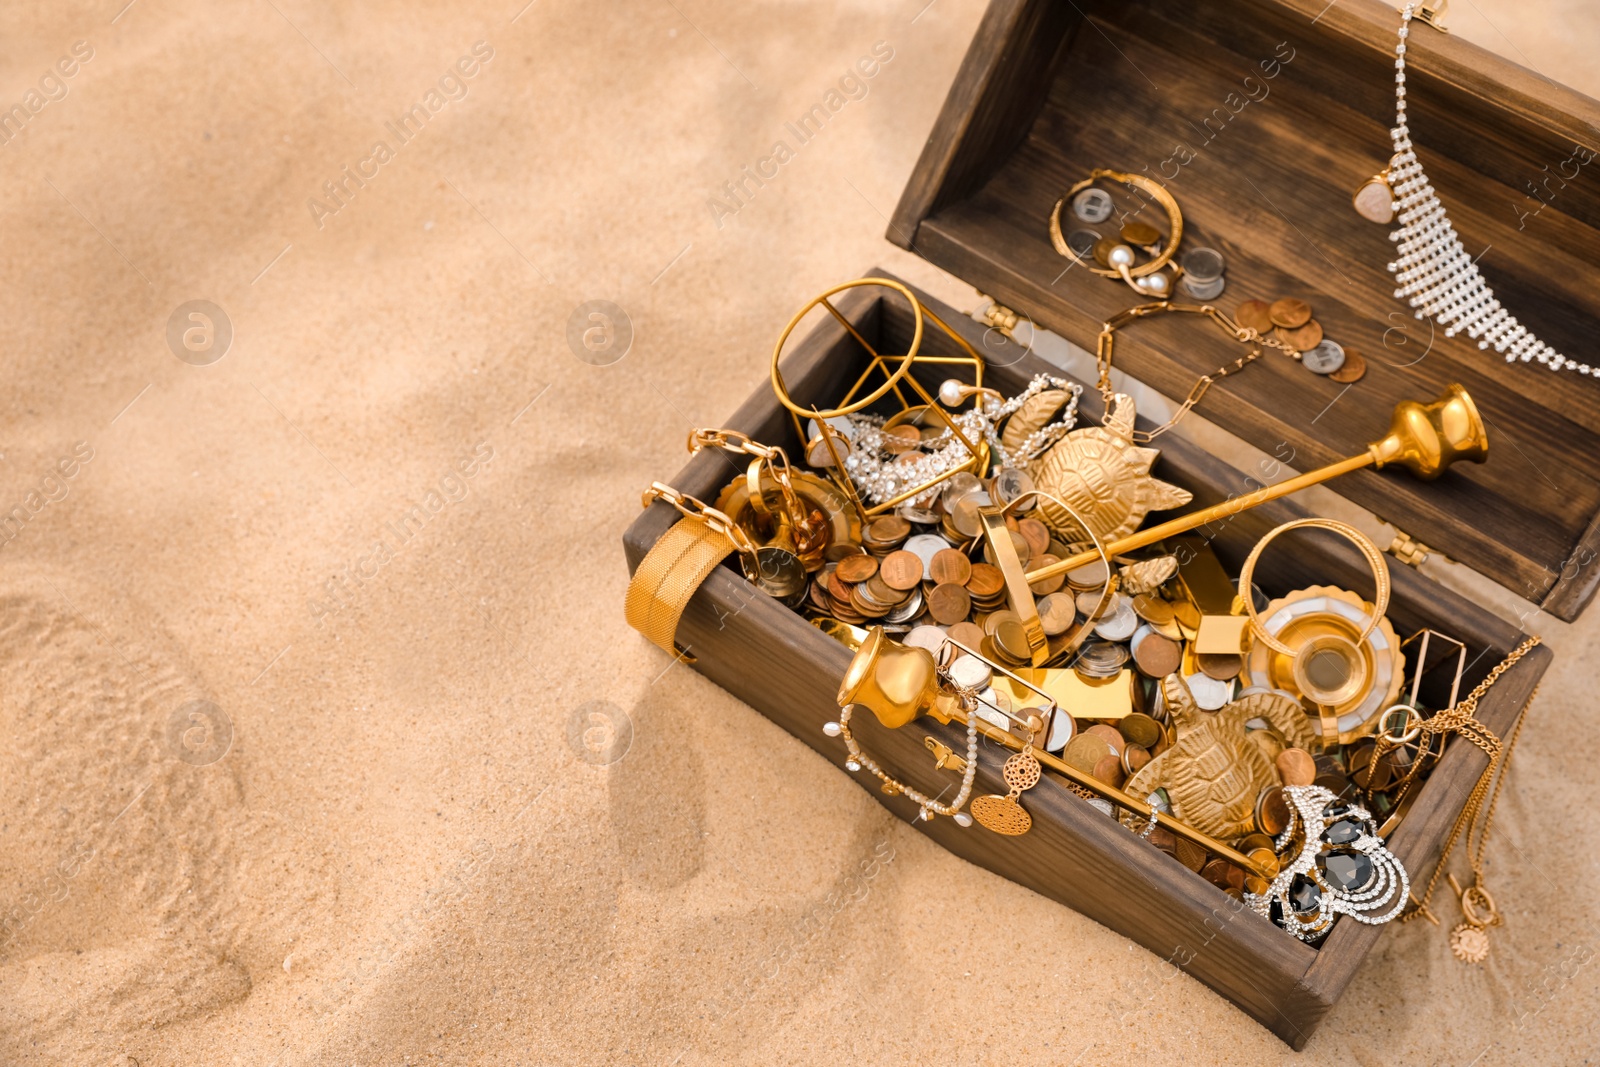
[
  {"x": 963, "y": 819},
  {"x": 950, "y": 393},
  {"x": 1121, "y": 256},
  {"x": 832, "y": 729},
  {"x": 1156, "y": 283}
]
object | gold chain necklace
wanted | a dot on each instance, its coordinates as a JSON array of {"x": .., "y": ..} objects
[
  {"x": 1243, "y": 334},
  {"x": 1469, "y": 940}
]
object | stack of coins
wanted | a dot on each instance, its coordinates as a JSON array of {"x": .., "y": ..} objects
[
  {"x": 862, "y": 587},
  {"x": 885, "y": 534}
]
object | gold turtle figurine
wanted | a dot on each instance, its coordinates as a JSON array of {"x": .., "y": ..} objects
[
  {"x": 1213, "y": 773},
  {"x": 1102, "y": 475}
]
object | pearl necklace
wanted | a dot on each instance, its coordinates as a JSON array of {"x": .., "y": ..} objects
[
  {"x": 880, "y": 479},
  {"x": 1435, "y": 273}
]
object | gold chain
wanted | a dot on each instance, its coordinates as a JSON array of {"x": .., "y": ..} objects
[
  {"x": 1243, "y": 334},
  {"x": 1476, "y": 817}
]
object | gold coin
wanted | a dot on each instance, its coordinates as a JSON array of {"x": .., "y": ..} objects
[
  {"x": 993, "y": 621},
  {"x": 950, "y": 565},
  {"x": 1254, "y": 314},
  {"x": 1302, "y": 338},
  {"x": 1108, "y": 769},
  {"x": 1272, "y": 811},
  {"x": 986, "y": 581},
  {"x": 1037, "y": 534},
  {"x": 888, "y": 530},
  {"x": 901, "y": 571},
  {"x": 1084, "y": 751},
  {"x": 1252, "y": 841},
  {"x": 1289, "y": 312},
  {"x": 1134, "y": 759},
  {"x": 1185, "y": 614},
  {"x": 1109, "y": 735},
  {"x": 853, "y": 569},
  {"x": 1141, "y": 234},
  {"x": 1056, "y": 613},
  {"x": 1219, "y": 665},
  {"x": 1190, "y": 854},
  {"x": 1297, "y": 767},
  {"x": 967, "y": 634},
  {"x": 1354, "y": 369},
  {"x": 1102, "y": 250},
  {"x": 1046, "y": 586},
  {"x": 1156, "y": 656},
  {"x": 949, "y": 603},
  {"x": 1012, "y": 639},
  {"x": 1152, "y": 609},
  {"x": 1140, "y": 729}
]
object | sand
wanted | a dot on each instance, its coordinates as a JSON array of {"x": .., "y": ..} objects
[{"x": 322, "y": 737}]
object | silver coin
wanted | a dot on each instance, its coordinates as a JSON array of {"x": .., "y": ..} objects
[
  {"x": 970, "y": 672},
  {"x": 925, "y": 547},
  {"x": 1160, "y": 801},
  {"x": 1139, "y": 635},
  {"x": 1326, "y": 358},
  {"x": 1010, "y": 483},
  {"x": 1093, "y": 205},
  {"x": 906, "y": 611},
  {"x": 1207, "y": 289},
  {"x": 1082, "y": 242},
  {"x": 1121, "y": 623},
  {"x": 957, "y": 486},
  {"x": 1101, "y": 805},
  {"x": 1211, "y": 694},
  {"x": 928, "y": 637},
  {"x": 1062, "y": 729},
  {"x": 1101, "y": 659}
]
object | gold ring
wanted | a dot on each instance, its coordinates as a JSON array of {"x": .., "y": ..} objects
[{"x": 900, "y": 372}]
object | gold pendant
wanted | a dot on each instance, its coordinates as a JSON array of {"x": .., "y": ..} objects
[
  {"x": 1469, "y": 943},
  {"x": 1374, "y": 200},
  {"x": 1003, "y": 814}
]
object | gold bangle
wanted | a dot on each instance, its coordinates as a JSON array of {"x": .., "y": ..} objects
[
  {"x": 1154, "y": 189},
  {"x": 668, "y": 576},
  {"x": 1380, "y": 576}
]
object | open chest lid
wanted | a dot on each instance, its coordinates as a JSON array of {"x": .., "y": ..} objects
[{"x": 1264, "y": 171}]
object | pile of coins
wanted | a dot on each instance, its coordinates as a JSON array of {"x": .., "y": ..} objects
[{"x": 1290, "y": 321}]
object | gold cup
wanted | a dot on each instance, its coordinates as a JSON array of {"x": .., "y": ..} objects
[{"x": 895, "y": 682}]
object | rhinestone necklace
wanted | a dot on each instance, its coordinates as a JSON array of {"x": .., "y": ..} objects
[{"x": 1435, "y": 273}]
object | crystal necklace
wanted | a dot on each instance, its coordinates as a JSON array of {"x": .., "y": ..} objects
[{"x": 1434, "y": 272}]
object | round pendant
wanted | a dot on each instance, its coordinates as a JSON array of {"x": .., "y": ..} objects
[
  {"x": 1469, "y": 943},
  {"x": 1002, "y": 815}
]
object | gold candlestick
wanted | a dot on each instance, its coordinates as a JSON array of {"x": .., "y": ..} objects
[{"x": 1423, "y": 438}]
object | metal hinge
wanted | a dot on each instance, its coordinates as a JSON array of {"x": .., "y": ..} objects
[
  {"x": 1408, "y": 549},
  {"x": 1432, "y": 13},
  {"x": 944, "y": 758},
  {"x": 1000, "y": 317}
]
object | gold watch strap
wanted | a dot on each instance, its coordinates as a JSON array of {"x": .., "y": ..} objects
[{"x": 668, "y": 576}]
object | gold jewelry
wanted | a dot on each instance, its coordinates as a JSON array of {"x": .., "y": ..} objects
[
  {"x": 977, "y": 448},
  {"x": 1469, "y": 940},
  {"x": 1105, "y": 345},
  {"x": 675, "y": 567},
  {"x": 1120, "y": 255},
  {"x": 1003, "y": 814},
  {"x": 1380, "y": 575},
  {"x": 1330, "y": 669}
]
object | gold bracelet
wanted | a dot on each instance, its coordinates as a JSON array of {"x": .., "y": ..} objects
[{"x": 1380, "y": 575}]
